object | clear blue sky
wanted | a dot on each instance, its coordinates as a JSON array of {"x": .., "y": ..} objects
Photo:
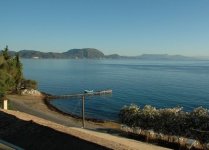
[{"x": 126, "y": 27}]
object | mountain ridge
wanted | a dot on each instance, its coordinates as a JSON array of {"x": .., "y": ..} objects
[{"x": 92, "y": 53}]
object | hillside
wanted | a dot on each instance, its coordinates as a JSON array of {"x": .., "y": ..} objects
[
  {"x": 163, "y": 57},
  {"x": 84, "y": 53},
  {"x": 92, "y": 53},
  {"x": 38, "y": 54},
  {"x": 88, "y": 53}
]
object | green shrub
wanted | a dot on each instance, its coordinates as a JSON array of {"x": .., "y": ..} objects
[
  {"x": 171, "y": 121},
  {"x": 1, "y": 99},
  {"x": 29, "y": 84},
  {"x": 11, "y": 76}
]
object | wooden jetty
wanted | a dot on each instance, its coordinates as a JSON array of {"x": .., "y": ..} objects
[
  {"x": 80, "y": 95},
  {"x": 102, "y": 92}
]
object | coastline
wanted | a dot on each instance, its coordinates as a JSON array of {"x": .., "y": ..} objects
[
  {"x": 53, "y": 108},
  {"x": 36, "y": 106},
  {"x": 41, "y": 107}
]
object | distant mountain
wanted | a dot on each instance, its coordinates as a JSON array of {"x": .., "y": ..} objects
[
  {"x": 88, "y": 53},
  {"x": 84, "y": 53},
  {"x": 92, "y": 53},
  {"x": 152, "y": 57},
  {"x": 113, "y": 56},
  {"x": 163, "y": 57},
  {"x": 38, "y": 54}
]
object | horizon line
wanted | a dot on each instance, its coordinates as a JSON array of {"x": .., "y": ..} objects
[{"x": 199, "y": 56}]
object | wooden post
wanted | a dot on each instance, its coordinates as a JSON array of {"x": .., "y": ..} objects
[
  {"x": 5, "y": 106},
  {"x": 83, "y": 111}
]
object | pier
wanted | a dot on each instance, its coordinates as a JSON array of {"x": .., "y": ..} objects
[
  {"x": 81, "y": 95},
  {"x": 67, "y": 96}
]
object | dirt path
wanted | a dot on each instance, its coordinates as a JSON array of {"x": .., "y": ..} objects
[{"x": 35, "y": 106}]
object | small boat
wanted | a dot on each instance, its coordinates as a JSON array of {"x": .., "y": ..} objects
[{"x": 88, "y": 91}]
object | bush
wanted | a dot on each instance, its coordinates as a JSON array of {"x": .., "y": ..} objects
[
  {"x": 171, "y": 121},
  {"x": 10, "y": 72},
  {"x": 29, "y": 84},
  {"x": 1, "y": 99},
  {"x": 128, "y": 114}
]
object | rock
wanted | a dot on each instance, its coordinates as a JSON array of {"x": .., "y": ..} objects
[
  {"x": 190, "y": 143},
  {"x": 31, "y": 92},
  {"x": 137, "y": 130}
]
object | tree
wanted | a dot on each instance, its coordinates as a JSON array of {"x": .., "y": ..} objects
[
  {"x": 29, "y": 84},
  {"x": 19, "y": 76},
  {"x": 5, "y": 53},
  {"x": 11, "y": 74}
]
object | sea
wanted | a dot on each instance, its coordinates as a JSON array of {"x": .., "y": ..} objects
[{"x": 160, "y": 83}]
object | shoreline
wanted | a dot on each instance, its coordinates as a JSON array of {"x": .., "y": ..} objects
[
  {"x": 54, "y": 108},
  {"x": 49, "y": 97},
  {"x": 41, "y": 107},
  {"x": 36, "y": 106}
]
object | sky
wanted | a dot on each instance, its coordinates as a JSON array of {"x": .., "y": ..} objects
[{"x": 125, "y": 27}]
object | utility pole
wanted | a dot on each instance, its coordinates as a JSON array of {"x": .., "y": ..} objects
[{"x": 83, "y": 116}]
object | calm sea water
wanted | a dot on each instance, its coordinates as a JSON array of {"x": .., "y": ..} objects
[{"x": 158, "y": 83}]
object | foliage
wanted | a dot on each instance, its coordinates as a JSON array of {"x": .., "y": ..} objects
[
  {"x": 171, "y": 121},
  {"x": 1, "y": 99},
  {"x": 29, "y": 84},
  {"x": 11, "y": 76},
  {"x": 1, "y": 103},
  {"x": 5, "y": 53}
]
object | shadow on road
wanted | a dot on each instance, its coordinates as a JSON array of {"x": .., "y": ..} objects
[{"x": 32, "y": 136}]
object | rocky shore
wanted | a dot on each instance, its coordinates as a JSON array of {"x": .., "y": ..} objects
[{"x": 31, "y": 92}]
